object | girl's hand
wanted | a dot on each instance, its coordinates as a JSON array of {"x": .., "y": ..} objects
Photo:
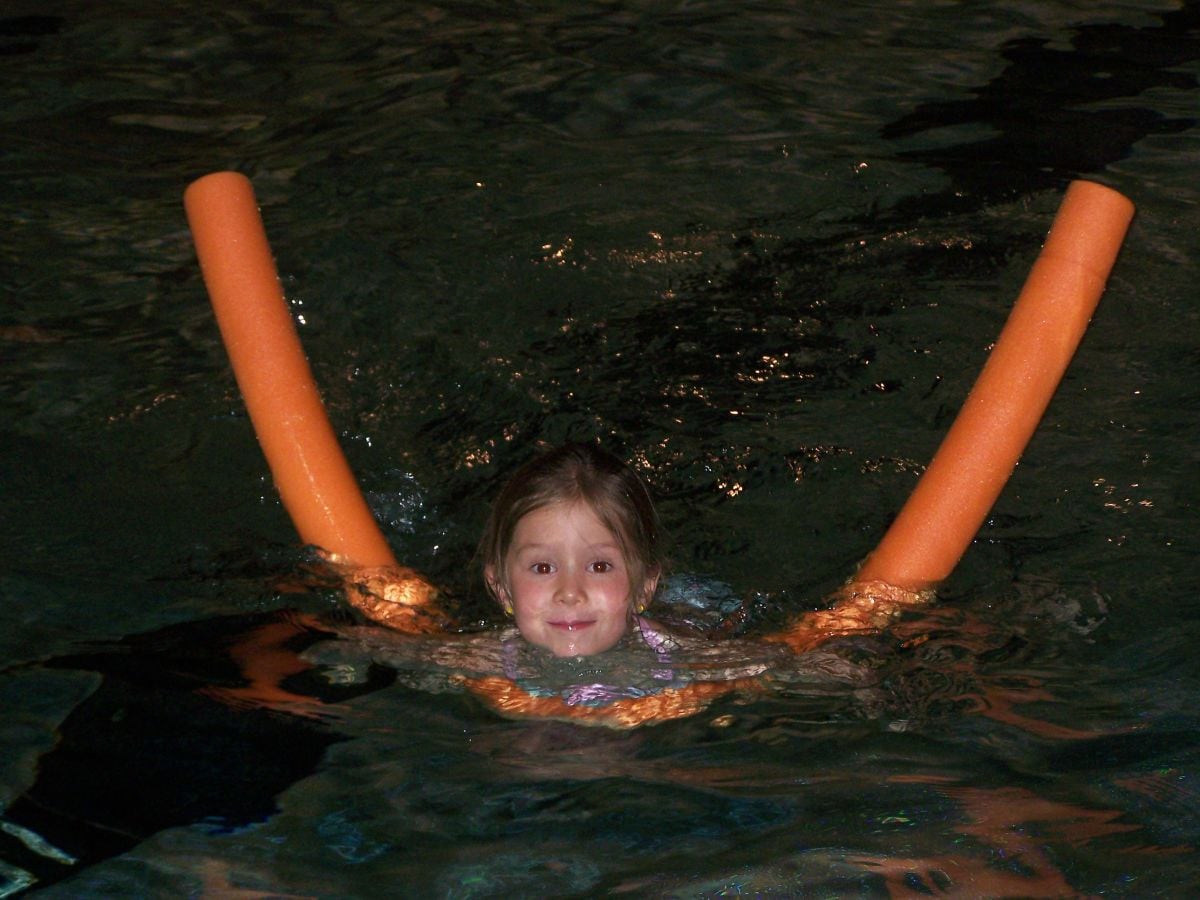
[
  {"x": 395, "y": 597},
  {"x": 861, "y": 607}
]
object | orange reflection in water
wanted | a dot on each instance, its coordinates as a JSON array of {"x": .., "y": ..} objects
[
  {"x": 1013, "y": 827},
  {"x": 954, "y": 641},
  {"x": 1006, "y": 835},
  {"x": 998, "y": 702}
]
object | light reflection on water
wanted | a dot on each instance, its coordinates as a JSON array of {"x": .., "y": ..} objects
[{"x": 759, "y": 252}]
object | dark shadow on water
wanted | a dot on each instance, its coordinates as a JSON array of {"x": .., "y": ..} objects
[
  {"x": 1043, "y": 111},
  {"x": 167, "y": 740}
]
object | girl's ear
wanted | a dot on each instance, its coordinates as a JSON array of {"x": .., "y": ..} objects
[
  {"x": 649, "y": 586},
  {"x": 497, "y": 588}
]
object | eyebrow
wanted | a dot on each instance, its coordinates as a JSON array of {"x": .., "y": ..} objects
[{"x": 542, "y": 546}]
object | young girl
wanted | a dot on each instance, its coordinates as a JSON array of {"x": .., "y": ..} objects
[{"x": 572, "y": 551}]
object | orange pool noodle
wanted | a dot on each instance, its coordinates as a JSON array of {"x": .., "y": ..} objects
[
  {"x": 311, "y": 473},
  {"x": 999, "y": 416}
]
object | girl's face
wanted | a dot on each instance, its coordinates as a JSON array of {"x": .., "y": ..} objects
[{"x": 568, "y": 582}]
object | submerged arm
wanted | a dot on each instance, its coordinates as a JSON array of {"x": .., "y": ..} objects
[{"x": 510, "y": 699}]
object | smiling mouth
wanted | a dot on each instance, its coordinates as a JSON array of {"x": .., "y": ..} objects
[{"x": 572, "y": 626}]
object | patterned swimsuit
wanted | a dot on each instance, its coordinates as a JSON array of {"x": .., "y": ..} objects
[{"x": 598, "y": 693}]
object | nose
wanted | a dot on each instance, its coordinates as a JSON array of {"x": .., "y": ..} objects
[{"x": 570, "y": 590}]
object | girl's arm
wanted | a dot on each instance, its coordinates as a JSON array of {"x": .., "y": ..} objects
[
  {"x": 977, "y": 456},
  {"x": 311, "y": 474},
  {"x": 508, "y": 698}
]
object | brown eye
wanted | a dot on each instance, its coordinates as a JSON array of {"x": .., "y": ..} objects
[
  {"x": 542, "y": 568},
  {"x": 600, "y": 567}
]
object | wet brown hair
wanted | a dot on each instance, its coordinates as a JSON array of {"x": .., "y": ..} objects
[{"x": 578, "y": 473}]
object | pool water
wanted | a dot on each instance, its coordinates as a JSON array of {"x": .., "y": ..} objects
[{"x": 760, "y": 250}]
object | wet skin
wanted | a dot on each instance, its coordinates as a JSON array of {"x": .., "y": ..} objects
[{"x": 568, "y": 582}]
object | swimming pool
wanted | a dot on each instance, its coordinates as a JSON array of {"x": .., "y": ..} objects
[{"x": 761, "y": 252}]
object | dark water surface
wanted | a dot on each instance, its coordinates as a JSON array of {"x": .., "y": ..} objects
[{"x": 761, "y": 250}]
